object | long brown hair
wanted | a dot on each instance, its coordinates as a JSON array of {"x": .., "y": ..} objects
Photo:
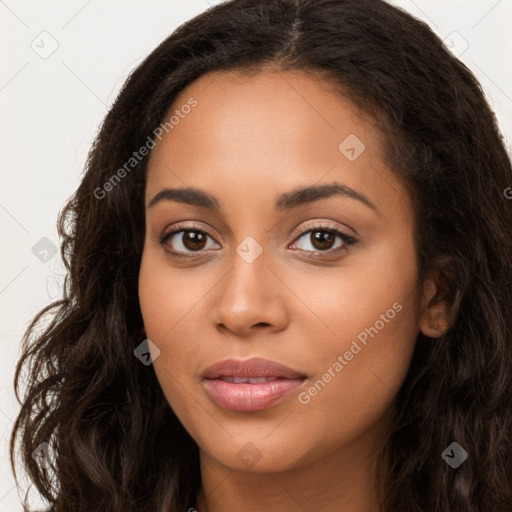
[{"x": 116, "y": 442}]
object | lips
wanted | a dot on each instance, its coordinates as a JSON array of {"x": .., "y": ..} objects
[
  {"x": 254, "y": 368},
  {"x": 250, "y": 380},
  {"x": 250, "y": 385}
]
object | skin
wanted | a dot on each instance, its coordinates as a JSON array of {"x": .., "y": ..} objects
[{"x": 248, "y": 140}]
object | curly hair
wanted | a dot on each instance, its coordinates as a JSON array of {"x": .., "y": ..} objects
[{"x": 118, "y": 445}]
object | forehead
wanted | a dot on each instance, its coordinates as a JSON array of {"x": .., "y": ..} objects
[
  {"x": 267, "y": 131},
  {"x": 278, "y": 108}
]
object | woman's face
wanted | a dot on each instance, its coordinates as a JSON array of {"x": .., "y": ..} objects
[{"x": 324, "y": 281}]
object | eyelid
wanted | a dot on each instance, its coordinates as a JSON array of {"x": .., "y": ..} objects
[
  {"x": 183, "y": 226},
  {"x": 324, "y": 225}
]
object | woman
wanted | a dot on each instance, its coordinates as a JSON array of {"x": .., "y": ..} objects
[{"x": 287, "y": 285}]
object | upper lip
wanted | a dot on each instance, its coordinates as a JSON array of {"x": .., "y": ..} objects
[{"x": 254, "y": 367}]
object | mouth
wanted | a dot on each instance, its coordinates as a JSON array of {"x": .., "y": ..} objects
[
  {"x": 250, "y": 380},
  {"x": 250, "y": 385}
]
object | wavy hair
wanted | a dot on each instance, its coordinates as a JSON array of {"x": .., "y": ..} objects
[{"x": 116, "y": 442}]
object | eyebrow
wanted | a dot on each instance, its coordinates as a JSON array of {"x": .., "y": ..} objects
[{"x": 286, "y": 201}]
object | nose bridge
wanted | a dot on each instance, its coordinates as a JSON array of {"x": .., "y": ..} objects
[
  {"x": 250, "y": 292},
  {"x": 247, "y": 279},
  {"x": 250, "y": 256}
]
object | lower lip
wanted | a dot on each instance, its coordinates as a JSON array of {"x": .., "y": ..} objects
[{"x": 250, "y": 397}]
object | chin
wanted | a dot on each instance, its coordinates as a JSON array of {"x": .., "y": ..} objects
[{"x": 258, "y": 455}]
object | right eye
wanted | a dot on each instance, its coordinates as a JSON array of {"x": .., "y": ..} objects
[{"x": 186, "y": 242}]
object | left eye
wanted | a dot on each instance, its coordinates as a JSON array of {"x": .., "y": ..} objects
[{"x": 321, "y": 240}]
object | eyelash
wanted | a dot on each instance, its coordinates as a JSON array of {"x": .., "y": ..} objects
[{"x": 347, "y": 240}]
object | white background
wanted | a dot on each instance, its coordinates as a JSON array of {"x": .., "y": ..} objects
[{"x": 51, "y": 108}]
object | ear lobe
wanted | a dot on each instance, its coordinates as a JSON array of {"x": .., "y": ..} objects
[
  {"x": 436, "y": 314},
  {"x": 435, "y": 320}
]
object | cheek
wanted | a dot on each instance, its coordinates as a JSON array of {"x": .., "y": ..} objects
[
  {"x": 362, "y": 291},
  {"x": 172, "y": 305},
  {"x": 369, "y": 318},
  {"x": 168, "y": 295},
  {"x": 371, "y": 309}
]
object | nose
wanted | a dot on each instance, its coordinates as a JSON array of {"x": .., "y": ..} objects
[{"x": 250, "y": 299}]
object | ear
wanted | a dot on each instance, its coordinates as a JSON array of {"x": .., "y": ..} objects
[{"x": 435, "y": 314}]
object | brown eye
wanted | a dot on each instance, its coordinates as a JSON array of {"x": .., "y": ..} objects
[
  {"x": 326, "y": 240},
  {"x": 185, "y": 242},
  {"x": 194, "y": 240},
  {"x": 322, "y": 240}
]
